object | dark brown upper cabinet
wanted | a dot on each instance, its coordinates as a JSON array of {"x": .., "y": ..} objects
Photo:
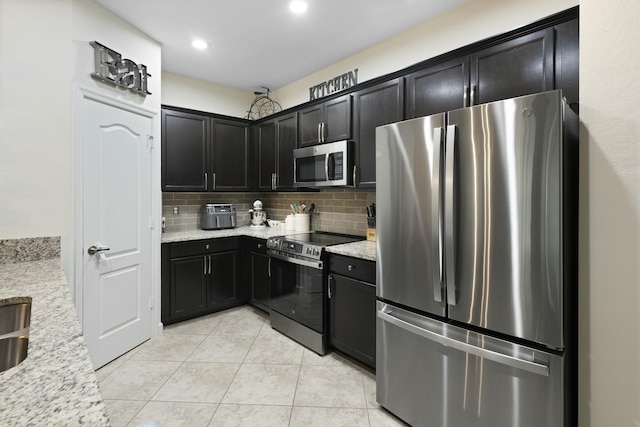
[
  {"x": 201, "y": 153},
  {"x": 326, "y": 122},
  {"x": 439, "y": 88},
  {"x": 229, "y": 156},
  {"x": 374, "y": 106},
  {"x": 516, "y": 67},
  {"x": 276, "y": 140},
  {"x": 185, "y": 141},
  {"x": 521, "y": 66}
]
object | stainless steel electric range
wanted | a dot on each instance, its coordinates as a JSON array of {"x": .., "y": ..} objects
[{"x": 298, "y": 271}]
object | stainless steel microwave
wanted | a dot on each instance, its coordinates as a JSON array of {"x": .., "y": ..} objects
[{"x": 324, "y": 165}]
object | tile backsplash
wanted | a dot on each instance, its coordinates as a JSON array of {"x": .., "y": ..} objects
[{"x": 338, "y": 210}]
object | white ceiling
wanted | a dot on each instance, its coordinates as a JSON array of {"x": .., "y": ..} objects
[{"x": 258, "y": 43}]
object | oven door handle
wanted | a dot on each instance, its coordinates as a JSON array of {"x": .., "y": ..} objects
[{"x": 307, "y": 263}]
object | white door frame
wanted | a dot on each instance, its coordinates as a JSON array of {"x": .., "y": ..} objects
[{"x": 81, "y": 93}]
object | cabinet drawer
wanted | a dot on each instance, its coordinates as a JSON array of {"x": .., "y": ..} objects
[
  {"x": 355, "y": 268},
  {"x": 255, "y": 245},
  {"x": 203, "y": 247}
]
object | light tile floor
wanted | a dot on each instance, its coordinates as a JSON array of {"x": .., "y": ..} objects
[{"x": 232, "y": 369}]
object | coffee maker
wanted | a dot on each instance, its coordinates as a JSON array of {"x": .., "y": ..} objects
[{"x": 258, "y": 216}]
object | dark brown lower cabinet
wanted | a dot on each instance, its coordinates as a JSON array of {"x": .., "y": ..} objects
[
  {"x": 352, "y": 308},
  {"x": 199, "y": 277},
  {"x": 256, "y": 270}
]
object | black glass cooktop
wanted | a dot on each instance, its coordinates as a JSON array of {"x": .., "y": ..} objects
[{"x": 321, "y": 238}]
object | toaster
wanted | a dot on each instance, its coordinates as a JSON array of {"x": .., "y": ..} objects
[{"x": 217, "y": 216}]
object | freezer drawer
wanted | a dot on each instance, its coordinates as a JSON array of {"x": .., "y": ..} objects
[{"x": 431, "y": 373}]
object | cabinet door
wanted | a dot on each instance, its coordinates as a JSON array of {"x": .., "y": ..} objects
[
  {"x": 353, "y": 318},
  {"x": 521, "y": 66},
  {"x": 309, "y": 120},
  {"x": 230, "y": 155},
  {"x": 375, "y": 106},
  {"x": 260, "y": 286},
  {"x": 267, "y": 152},
  {"x": 223, "y": 282},
  {"x": 184, "y": 151},
  {"x": 437, "y": 89},
  {"x": 287, "y": 142},
  {"x": 337, "y": 119},
  {"x": 188, "y": 286}
]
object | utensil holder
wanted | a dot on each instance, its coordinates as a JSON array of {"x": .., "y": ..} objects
[
  {"x": 301, "y": 222},
  {"x": 371, "y": 229}
]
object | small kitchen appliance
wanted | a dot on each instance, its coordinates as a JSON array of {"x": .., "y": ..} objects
[
  {"x": 324, "y": 165},
  {"x": 217, "y": 216},
  {"x": 258, "y": 215}
]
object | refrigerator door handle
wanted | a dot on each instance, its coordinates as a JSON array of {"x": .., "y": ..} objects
[
  {"x": 449, "y": 215},
  {"x": 504, "y": 359},
  {"x": 436, "y": 214}
]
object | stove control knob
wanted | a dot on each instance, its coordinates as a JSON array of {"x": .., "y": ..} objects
[{"x": 316, "y": 251}]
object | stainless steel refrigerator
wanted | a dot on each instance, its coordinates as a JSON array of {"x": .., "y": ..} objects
[{"x": 477, "y": 265}]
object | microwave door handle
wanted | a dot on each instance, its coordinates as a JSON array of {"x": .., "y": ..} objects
[{"x": 326, "y": 166}]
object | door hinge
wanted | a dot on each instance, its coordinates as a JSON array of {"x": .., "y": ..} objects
[
  {"x": 150, "y": 140},
  {"x": 151, "y": 303}
]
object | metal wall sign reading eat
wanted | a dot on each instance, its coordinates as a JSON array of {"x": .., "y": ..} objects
[
  {"x": 111, "y": 68},
  {"x": 336, "y": 84}
]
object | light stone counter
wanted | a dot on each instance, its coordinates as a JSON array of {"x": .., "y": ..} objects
[
  {"x": 56, "y": 384},
  {"x": 362, "y": 249},
  {"x": 245, "y": 230}
]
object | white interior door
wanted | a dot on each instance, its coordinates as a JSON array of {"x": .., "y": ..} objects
[{"x": 116, "y": 229}]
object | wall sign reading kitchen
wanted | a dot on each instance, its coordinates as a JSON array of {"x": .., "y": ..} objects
[
  {"x": 111, "y": 68},
  {"x": 336, "y": 84}
]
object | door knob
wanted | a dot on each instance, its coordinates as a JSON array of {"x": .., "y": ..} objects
[{"x": 93, "y": 249}]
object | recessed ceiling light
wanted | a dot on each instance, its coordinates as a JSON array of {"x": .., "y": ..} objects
[
  {"x": 298, "y": 6},
  {"x": 200, "y": 44}
]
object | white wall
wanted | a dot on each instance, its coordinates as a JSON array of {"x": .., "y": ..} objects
[
  {"x": 180, "y": 91},
  {"x": 35, "y": 118},
  {"x": 610, "y": 213}
]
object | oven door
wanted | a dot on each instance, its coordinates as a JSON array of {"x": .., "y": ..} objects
[{"x": 298, "y": 300}]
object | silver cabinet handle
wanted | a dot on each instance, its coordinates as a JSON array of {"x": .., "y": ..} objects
[
  {"x": 209, "y": 264},
  {"x": 355, "y": 175},
  {"x": 269, "y": 267},
  {"x": 351, "y": 267},
  {"x": 259, "y": 245},
  {"x": 319, "y": 137},
  {"x": 214, "y": 181},
  {"x": 464, "y": 96},
  {"x": 94, "y": 249},
  {"x": 206, "y": 181},
  {"x": 322, "y": 133},
  {"x": 449, "y": 214},
  {"x": 473, "y": 96},
  {"x": 484, "y": 353},
  {"x": 329, "y": 286},
  {"x": 436, "y": 211},
  {"x": 204, "y": 271}
]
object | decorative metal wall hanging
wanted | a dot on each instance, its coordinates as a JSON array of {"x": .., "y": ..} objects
[
  {"x": 336, "y": 84},
  {"x": 111, "y": 68},
  {"x": 262, "y": 106}
]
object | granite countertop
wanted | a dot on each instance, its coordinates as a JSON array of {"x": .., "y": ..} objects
[
  {"x": 56, "y": 383},
  {"x": 363, "y": 249}
]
